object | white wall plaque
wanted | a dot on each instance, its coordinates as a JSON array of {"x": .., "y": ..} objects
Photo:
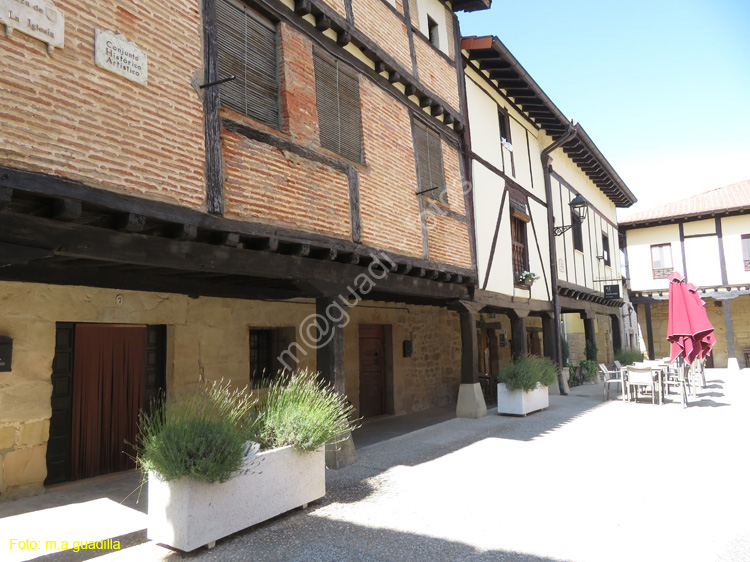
[
  {"x": 35, "y": 18},
  {"x": 118, "y": 55}
]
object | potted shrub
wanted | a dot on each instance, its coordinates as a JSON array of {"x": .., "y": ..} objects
[
  {"x": 522, "y": 385},
  {"x": 589, "y": 371},
  {"x": 216, "y": 464}
]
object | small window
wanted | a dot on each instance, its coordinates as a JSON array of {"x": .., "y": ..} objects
[
  {"x": 504, "y": 128},
  {"x": 575, "y": 220},
  {"x": 339, "y": 114},
  {"x": 429, "y": 160},
  {"x": 247, "y": 49},
  {"x": 266, "y": 345},
  {"x": 433, "y": 32},
  {"x": 661, "y": 260},
  {"x": 520, "y": 254},
  {"x": 605, "y": 249},
  {"x": 746, "y": 250}
]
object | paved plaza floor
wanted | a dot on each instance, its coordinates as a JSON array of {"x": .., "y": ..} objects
[{"x": 583, "y": 481}]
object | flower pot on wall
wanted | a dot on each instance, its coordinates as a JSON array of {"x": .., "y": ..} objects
[
  {"x": 187, "y": 513},
  {"x": 521, "y": 402},
  {"x": 528, "y": 282}
]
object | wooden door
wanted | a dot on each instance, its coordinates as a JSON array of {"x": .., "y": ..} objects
[
  {"x": 91, "y": 419},
  {"x": 371, "y": 370}
]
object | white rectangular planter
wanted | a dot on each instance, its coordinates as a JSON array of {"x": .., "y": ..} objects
[
  {"x": 186, "y": 514},
  {"x": 519, "y": 402}
]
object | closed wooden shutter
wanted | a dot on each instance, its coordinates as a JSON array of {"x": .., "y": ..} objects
[
  {"x": 247, "y": 49},
  {"x": 339, "y": 114},
  {"x": 429, "y": 162}
]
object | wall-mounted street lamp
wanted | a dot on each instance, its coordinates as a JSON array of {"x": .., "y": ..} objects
[{"x": 579, "y": 206}]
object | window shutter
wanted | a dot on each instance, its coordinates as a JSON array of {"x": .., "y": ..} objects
[
  {"x": 247, "y": 49},
  {"x": 339, "y": 114},
  {"x": 429, "y": 161}
]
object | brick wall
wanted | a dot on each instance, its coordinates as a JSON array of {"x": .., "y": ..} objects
[
  {"x": 339, "y": 6},
  {"x": 65, "y": 116},
  {"x": 436, "y": 72},
  {"x": 266, "y": 184},
  {"x": 378, "y": 21},
  {"x": 448, "y": 240},
  {"x": 390, "y": 209}
]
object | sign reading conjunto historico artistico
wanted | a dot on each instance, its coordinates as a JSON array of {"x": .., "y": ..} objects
[
  {"x": 113, "y": 52},
  {"x": 35, "y": 18}
]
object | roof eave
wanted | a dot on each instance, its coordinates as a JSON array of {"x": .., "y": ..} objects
[{"x": 625, "y": 197}]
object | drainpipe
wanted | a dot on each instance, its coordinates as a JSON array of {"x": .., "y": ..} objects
[{"x": 568, "y": 136}]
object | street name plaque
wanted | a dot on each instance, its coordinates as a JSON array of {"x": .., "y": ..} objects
[{"x": 35, "y": 18}]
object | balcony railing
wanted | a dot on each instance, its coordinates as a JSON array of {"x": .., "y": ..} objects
[{"x": 662, "y": 273}]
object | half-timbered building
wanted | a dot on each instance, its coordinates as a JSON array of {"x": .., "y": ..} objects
[
  {"x": 192, "y": 191},
  {"x": 707, "y": 239},
  {"x": 529, "y": 167}
]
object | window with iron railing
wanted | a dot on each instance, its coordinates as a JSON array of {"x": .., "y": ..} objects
[
  {"x": 520, "y": 256},
  {"x": 661, "y": 260},
  {"x": 746, "y": 250}
]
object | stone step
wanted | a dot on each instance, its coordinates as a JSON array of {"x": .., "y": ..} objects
[{"x": 73, "y": 532}]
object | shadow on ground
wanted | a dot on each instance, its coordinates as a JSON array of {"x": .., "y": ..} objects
[{"x": 309, "y": 538}]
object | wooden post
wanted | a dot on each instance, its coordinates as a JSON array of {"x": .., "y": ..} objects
[
  {"x": 330, "y": 365},
  {"x": 548, "y": 334},
  {"x": 470, "y": 398},
  {"x": 649, "y": 331},
  {"x": 519, "y": 344},
  {"x": 589, "y": 328}
]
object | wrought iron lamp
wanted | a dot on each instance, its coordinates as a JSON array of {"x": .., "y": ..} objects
[{"x": 579, "y": 205}]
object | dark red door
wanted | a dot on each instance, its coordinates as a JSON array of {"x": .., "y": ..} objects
[
  {"x": 102, "y": 376},
  {"x": 371, "y": 370}
]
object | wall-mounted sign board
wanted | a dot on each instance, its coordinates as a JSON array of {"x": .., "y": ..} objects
[
  {"x": 118, "y": 55},
  {"x": 35, "y": 18},
  {"x": 611, "y": 291}
]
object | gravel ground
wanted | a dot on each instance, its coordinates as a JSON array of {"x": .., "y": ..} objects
[{"x": 584, "y": 481}]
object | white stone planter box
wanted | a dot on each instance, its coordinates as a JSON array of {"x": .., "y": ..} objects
[
  {"x": 186, "y": 514},
  {"x": 519, "y": 402}
]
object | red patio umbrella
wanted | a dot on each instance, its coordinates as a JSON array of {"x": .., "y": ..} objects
[{"x": 688, "y": 328}]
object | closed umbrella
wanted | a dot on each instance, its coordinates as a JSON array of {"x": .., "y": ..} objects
[{"x": 688, "y": 328}]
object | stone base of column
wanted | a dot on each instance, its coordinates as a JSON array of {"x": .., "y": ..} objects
[
  {"x": 554, "y": 388},
  {"x": 470, "y": 401},
  {"x": 341, "y": 454},
  {"x": 733, "y": 364}
]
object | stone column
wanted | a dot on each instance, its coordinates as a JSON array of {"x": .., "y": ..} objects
[
  {"x": 330, "y": 365},
  {"x": 470, "y": 398}
]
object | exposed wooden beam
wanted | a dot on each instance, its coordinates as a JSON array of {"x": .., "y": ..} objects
[
  {"x": 67, "y": 210},
  {"x": 6, "y": 195},
  {"x": 131, "y": 222},
  {"x": 88, "y": 242}
]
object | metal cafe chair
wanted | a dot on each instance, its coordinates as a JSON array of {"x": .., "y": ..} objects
[
  {"x": 677, "y": 378},
  {"x": 611, "y": 377},
  {"x": 640, "y": 377}
]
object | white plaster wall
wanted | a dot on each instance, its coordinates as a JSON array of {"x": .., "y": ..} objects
[
  {"x": 732, "y": 229},
  {"x": 699, "y": 227},
  {"x": 485, "y": 135},
  {"x": 435, "y": 10},
  {"x": 703, "y": 263},
  {"x": 639, "y": 243},
  {"x": 484, "y": 125},
  {"x": 566, "y": 168},
  {"x": 520, "y": 170},
  {"x": 488, "y": 192}
]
